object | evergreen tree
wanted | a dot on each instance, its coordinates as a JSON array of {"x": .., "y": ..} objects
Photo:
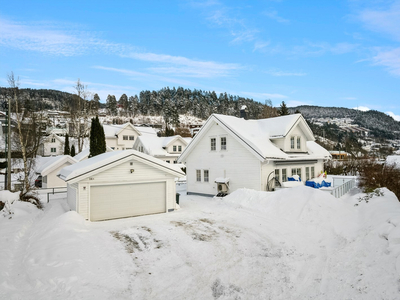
[
  {"x": 73, "y": 151},
  {"x": 124, "y": 103},
  {"x": 111, "y": 103},
  {"x": 97, "y": 138},
  {"x": 283, "y": 111},
  {"x": 66, "y": 145}
]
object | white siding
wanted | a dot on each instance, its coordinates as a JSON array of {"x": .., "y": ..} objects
[
  {"x": 71, "y": 196},
  {"x": 83, "y": 206},
  {"x": 236, "y": 163},
  {"x": 295, "y": 132},
  {"x": 53, "y": 180}
]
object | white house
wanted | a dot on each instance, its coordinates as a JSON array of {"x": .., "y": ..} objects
[
  {"x": 52, "y": 145},
  {"x": 122, "y": 137},
  {"x": 121, "y": 184},
  {"x": 49, "y": 167},
  {"x": 167, "y": 149},
  {"x": 230, "y": 153}
]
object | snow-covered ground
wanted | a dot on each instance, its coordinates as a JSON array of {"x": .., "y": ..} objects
[{"x": 297, "y": 243}]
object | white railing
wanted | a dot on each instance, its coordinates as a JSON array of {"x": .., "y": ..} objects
[{"x": 342, "y": 189}]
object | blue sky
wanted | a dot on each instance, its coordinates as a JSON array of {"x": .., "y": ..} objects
[{"x": 327, "y": 53}]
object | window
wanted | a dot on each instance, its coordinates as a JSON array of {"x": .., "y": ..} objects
[
  {"x": 205, "y": 173},
  {"x": 113, "y": 148},
  {"x": 174, "y": 147},
  {"x": 312, "y": 172},
  {"x": 131, "y": 137},
  {"x": 298, "y": 143},
  {"x": 223, "y": 143},
  {"x": 167, "y": 161},
  {"x": 296, "y": 171},
  {"x": 198, "y": 175},
  {"x": 180, "y": 148},
  {"x": 284, "y": 176},
  {"x": 53, "y": 150},
  {"x": 299, "y": 172},
  {"x": 125, "y": 137},
  {"x": 53, "y": 140},
  {"x": 277, "y": 174},
  {"x": 292, "y": 142},
  {"x": 175, "y": 162},
  {"x": 307, "y": 173},
  {"x": 213, "y": 144}
]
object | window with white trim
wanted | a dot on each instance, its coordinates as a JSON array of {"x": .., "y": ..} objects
[
  {"x": 213, "y": 142},
  {"x": 284, "y": 175},
  {"x": 125, "y": 137},
  {"x": 205, "y": 174},
  {"x": 198, "y": 175},
  {"x": 292, "y": 142},
  {"x": 312, "y": 172},
  {"x": 53, "y": 150},
  {"x": 298, "y": 143},
  {"x": 180, "y": 148},
  {"x": 307, "y": 173},
  {"x": 174, "y": 148},
  {"x": 223, "y": 143},
  {"x": 131, "y": 137},
  {"x": 53, "y": 140},
  {"x": 277, "y": 174}
]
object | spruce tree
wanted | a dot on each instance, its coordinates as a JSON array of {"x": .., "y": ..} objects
[
  {"x": 66, "y": 145},
  {"x": 97, "y": 138},
  {"x": 283, "y": 111},
  {"x": 72, "y": 150}
]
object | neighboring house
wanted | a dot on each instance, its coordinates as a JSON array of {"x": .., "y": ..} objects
[
  {"x": 339, "y": 154},
  {"x": 49, "y": 167},
  {"x": 167, "y": 149},
  {"x": 84, "y": 154},
  {"x": 121, "y": 184},
  {"x": 122, "y": 137},
  {"x": 230, "y": 153},
  {"x": 53, "y": 145}
]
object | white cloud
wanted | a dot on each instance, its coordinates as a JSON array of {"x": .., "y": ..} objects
[
  {"x": 52, "y": 39},
  {"x": 389, "y": 59},
  {"x": 274, "y": 16},
  {"x": 182, "y": 66},
  {"x": 394, "y": 116},
  {"x": 362, "y": 108},
  {"x": 279, "y": 73},
  {"x": 383, "y": 20},
  {"x": 294, "y": 103}
]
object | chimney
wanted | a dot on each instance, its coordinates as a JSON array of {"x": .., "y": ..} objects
[{"x": 244, "y": 111}]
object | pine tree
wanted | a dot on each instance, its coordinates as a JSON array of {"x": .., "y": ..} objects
[
  {"x": 66, "y": 145},
  {"x": 73, "y": 151},
  {"x": 283, "y": 111},
  {"x": 97, "y": 138}
]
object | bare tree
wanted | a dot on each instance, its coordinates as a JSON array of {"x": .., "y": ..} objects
[
  {"x": 28, "y": 135},
  {"x": 79, "y": 126}
]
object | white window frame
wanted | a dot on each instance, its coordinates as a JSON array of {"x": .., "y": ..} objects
[
  {"x": 179, "y": 148},
  {"x": 298, "y": 142},
  {"x": 278, "y": 174},
  {"x": 198, "y": 175},
  {"x": 213, "y": 144},
  {"x": 125, "y": 137},
  {"x": 174, "y": 148},
  {"x": 206, "y": 175},
  {"x": 53, "y": 139},
  {"x": 284, "y": 175},
  {"x": 307, "y": 173},
  {"x": 223, "y": 143},
  {"x": 53, "y": 150},
  {"x": 312, "y": 172},
  {"x": 131, "y": 137},
  {"x": 292, "y": 142}
]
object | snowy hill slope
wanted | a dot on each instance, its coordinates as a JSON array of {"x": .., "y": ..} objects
[{"x": 297, "y": 243}]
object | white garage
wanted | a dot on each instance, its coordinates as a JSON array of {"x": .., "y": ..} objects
[{"x": 121, "y": 184}]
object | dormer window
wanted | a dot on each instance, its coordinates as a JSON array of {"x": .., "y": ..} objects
[
  {"x": 53, "y": 140},
  {"x": 298, "y": 143},
  {"x": 292, "y": 142},
  {"x": 174, "y": 148},
  {"x": 180, "y": 148}
]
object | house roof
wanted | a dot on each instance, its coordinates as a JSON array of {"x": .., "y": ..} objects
[
  {"x": 101, "y": 162},
  {"x": 155, "y": 145},
  {"x": 85, "y": 153},
  {"x": 113, "y": 130},
  {"x": 49, "y": 164},
  {"x": 256, "y": 135},
  {"x": 393, "y": 159}
]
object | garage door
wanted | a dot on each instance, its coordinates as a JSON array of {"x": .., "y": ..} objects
[{"x": 127, "y": 200}]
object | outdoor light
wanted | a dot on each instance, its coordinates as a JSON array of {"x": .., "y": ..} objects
[{"x": 132, "y": 170}]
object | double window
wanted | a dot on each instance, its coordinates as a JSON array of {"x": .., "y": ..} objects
[
  {"x": 53, "y": 140},
  {"x": 53, "y": 150},
  {"x": 206, "y": 175},
  {"x": 295, "y": 143}
]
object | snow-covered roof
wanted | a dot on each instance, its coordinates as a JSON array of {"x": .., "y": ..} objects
[
  {"x": 146, "y": 130},
  {"x": 47, "y": 164},
  {"x": 106, "y": 159},
  {"x": 317, "y": 151},
  {"x": 85, "y": 153},
  {"x": 113, "y": 130},
  {"x": 155, "y": 145},
  {"x": 257, "y": 134}
]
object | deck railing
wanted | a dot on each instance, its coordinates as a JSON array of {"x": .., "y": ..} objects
[{"x": 342, "y": 189}]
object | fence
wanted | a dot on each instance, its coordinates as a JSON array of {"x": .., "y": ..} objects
[
  {"x": 340, "y": 189},
  {"x": 52, "y": 191}
]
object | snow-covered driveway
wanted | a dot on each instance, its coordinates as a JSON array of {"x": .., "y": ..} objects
[{"x": 293, "y": 244}]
